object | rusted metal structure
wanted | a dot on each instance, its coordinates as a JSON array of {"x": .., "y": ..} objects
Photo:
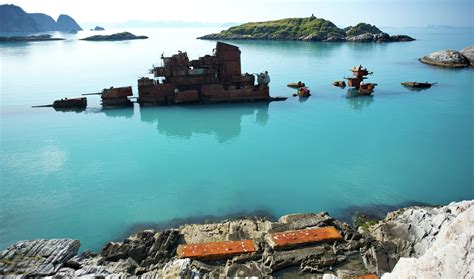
[
  {"x": 71, "y": 103},
  {"x": 360, "y": 73},
  {"x": 216, "y": 250},
  {"x": 67, "y": 104},
  {"x": 415, "y": 84},
  {"x": 208, "y": 79},
  {"x": 113, "y": 97},
  {"x": 289, "y": 239}
]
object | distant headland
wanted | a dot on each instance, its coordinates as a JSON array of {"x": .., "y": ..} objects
[
  {"x": 15, "y": 19},
  {"x": 37, "y": 38},
  {"x": 306, "y": 29}
]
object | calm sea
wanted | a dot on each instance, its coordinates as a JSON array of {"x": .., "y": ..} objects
[{"x": 97, "y": 174}]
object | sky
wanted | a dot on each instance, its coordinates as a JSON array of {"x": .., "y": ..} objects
[{"x": 397, "y": 13}]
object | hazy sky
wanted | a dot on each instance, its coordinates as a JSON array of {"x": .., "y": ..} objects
[{"x": 341, "y": 12}]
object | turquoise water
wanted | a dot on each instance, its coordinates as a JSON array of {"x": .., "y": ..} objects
[{"x": 95, "y": 174}]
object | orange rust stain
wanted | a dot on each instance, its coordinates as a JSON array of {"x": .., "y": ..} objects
[
  {"x": 300, "y": 237},
  {"x": 216, "y": 250},
  {"x": 368, "y": 276}
]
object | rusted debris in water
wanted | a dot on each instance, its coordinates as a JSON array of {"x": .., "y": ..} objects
[
  {"x": 360, "y": 73},
  {"x": 209, "y": 79},
  {"x": 116, "y": 96},
  {"x": 296, "y": 84},
  {"x": 289, "y": 239},
  {"x": 65, "y": 104},
  {"x": 216, "y": 250},
  {"x": 339, "y": 83}
]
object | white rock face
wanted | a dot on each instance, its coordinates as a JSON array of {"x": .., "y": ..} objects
[
  {"x": 449, "y": 255},
  {"x": 468, "y": 52}
]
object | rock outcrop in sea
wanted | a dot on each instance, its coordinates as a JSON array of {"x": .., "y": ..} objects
[
  {"x": 306, "y": 29},
  {"x": 451, "y": 58},
  {"x": 115, "y": 37},
  {"x": 15, "y": 19},
  {"x": 434, "y": 242},
  {"x": 98, "y": 28}
]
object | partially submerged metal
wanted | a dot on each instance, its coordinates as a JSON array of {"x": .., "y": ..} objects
[
  {"x": 296, "y": 84},
  {"x": 208, "y": 79},
  {"x": 360, "y": 73},
  {"x": 339, "y": 83},
  {"x": 66, "y": 104},
  {"x": 415, "y": 84}
]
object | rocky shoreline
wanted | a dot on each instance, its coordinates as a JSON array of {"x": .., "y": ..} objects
[{"x": 419, "y": 235}]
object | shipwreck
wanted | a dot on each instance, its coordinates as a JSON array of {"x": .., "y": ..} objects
[{"x": 212, "y": 78}]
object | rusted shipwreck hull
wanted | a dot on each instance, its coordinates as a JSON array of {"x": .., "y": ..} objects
[
  {"x": 116, "y": 96},
  {"x": 209, "y": 79},
  {"x": 72, "y": 103}
]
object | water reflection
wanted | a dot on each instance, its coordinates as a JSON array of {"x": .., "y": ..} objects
[
  {"x": 356, "y": 101},
  {"x": 317, "y": 49},
  {"x": 64, "y": 110},
  {"x": 415, "y": 89},
  {"x": 126, "y": 112},
  {"x": 223, "y": 120},
  {"x": 302, "y": 99}
]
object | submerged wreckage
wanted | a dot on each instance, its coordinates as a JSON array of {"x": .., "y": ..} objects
[
  {"x": 209, "y": 79},
  {"x": 215, "y": 78}
]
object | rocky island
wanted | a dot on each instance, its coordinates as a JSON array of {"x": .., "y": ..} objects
[
  {"x": 115, "y": 37},
  {"x": 421, "y": 242},
  {"x": 451, "y": 58},
  {"x": 35, "y": 38},
  {"x": 306, "y": 29}
]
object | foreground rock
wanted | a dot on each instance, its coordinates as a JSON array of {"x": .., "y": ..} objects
[
  {"x": 439, "y": 239},
  {"x": 37, "y": 38},
  {"x": 306, "y": 29},
  {"x": 448, "y": 58},
  {"x": 115, "y": 37},
  {"x": 448, "y": 254},
  {"x": 410, "y": 232},
  {"x": 37, "y": 257}
]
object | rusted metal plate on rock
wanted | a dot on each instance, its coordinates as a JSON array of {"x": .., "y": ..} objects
[
  {"x": 368, "y": 276},
  {"x": 215, "y": 250},
  {"x": 282, "y": 240}
]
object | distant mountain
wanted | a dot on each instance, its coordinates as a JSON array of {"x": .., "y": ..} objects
[
  {"x": 43, "y": 21},
  {"x": 15, "y": 19},
  {"x": 305, "y": 29},
  {"x": 67, "y": 23}
]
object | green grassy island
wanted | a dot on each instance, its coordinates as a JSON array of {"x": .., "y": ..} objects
[{"x": 305, "y": 29}]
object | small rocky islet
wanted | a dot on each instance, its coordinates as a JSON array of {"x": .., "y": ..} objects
[
  {"x": 420, "y": 241},
  {"x": 123, "y": 36},
  {"x": 306, "y": 29}
]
